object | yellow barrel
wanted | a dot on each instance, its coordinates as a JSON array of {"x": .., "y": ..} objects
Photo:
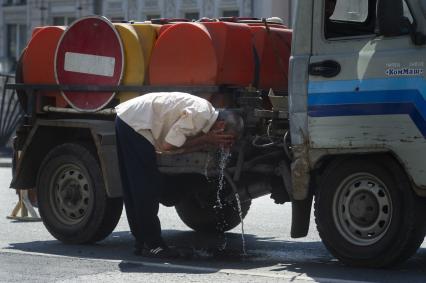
[
  {"x": 147, "y": 36},
  {"x": 134, "y": 61}
]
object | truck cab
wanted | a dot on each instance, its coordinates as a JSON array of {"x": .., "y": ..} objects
[{"x": 358, "y": 125}]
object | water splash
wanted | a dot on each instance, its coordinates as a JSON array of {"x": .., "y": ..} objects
[
  {"x": 225, "y": 154},
  {"x": 240, "y": 213},
  {"x": 223, "y": 161},
  {"x": 206, "y": 166}
]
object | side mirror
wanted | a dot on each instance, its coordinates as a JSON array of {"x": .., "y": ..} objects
[{"x": 390, "y": 15}]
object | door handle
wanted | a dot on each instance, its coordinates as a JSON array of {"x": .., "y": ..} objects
[{"x": 327, "y": 69}]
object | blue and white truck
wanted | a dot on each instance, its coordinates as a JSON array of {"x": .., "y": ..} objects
[{"x": 357, "y": 126}]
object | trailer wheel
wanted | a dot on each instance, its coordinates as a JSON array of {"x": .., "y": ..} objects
[
  {"x": 72, "y": 198},
  {"x": 198, "y": 211},
  {"x": 367, "y": 213}
]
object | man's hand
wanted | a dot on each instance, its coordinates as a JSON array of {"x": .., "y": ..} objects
[
  {"x": 218, "y": 138},
  {"x": 215, "y": 138}
]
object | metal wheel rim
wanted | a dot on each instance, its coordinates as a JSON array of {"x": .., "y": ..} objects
[
  {"x": 362, "y": 209},
  {"x": 71, "y": 194}
]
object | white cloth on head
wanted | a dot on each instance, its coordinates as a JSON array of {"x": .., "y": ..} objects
[{"x": 169, "y": 117}]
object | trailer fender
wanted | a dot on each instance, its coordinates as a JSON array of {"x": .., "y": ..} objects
[{"x": 46, "y": 134}]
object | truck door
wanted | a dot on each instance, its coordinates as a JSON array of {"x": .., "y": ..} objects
[{"x": 366, "y": 91}]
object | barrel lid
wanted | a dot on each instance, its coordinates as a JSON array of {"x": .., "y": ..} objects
[{"x": 90, "y": 52}]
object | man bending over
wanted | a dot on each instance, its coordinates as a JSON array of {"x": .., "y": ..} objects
[{"x": 159, "y": 122}]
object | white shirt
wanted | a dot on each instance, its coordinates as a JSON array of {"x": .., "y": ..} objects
[{"x": 168, "y": 116}]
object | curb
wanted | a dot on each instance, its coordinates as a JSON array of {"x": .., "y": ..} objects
[
  {"x": 6, "y": 152},
  {"x": 5, "y": 161}
]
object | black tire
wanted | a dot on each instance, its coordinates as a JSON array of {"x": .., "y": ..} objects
[
  {"x": 200, "y": 212},
  {"x": 72, "y": 199},
  {"x": 367, "y": 213}
]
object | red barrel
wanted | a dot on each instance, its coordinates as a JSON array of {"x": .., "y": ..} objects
[
  {"x": 213, "y": 53},
  {"x": 273, "y": 47},
  {"x": 38, "y": 61},
  {"x": 163, "y": 28},
  {"x": 234, "y": 49},
  {"x": 183, "y": 54}
]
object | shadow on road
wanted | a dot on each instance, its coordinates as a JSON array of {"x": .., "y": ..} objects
[{"x": 201, "y": 250}]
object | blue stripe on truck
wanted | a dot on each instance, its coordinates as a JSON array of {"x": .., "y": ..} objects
[
  {"x": 415, "y": 83},
  {"x": 370, "y": 97},
  {"x": 371, "y": 109}
]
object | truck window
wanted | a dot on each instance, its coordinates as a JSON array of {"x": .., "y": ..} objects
[
  {"x": 343, "y": 18},
  {"x": 350, "y": 11}
]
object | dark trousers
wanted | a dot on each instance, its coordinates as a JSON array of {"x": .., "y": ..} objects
[{"x": 141, "y": 182}]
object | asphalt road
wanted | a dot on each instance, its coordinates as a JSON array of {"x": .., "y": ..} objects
[{"x": 29, "y": 254}]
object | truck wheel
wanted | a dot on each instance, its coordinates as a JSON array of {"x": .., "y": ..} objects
[
  {"x": 198, "y": 211},
  {"x": 72, "y": 198},
  {"x": 205, "y": 218},
  {"x": 367, "y": 214}
]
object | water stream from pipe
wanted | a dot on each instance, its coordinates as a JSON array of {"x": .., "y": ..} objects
[
  {"x": 240, "y": 213},
  {"x": 225, "y": 154}
]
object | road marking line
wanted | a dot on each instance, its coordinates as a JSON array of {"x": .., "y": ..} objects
[
  {"x": 166, "y": 265},
  {"x": 89, "y": 64}
]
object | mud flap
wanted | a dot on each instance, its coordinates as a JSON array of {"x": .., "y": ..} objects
[
  {"x": 301, "y": 209},
  {"x": 301, "y": 215}
]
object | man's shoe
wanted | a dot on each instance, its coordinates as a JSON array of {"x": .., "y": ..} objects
[
  {"x": 161, "y": 252},
  {"x": 138, "y": 248}
]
